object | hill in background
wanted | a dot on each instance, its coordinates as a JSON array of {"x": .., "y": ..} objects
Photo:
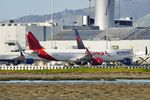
[{"x": 128, "y": 8}]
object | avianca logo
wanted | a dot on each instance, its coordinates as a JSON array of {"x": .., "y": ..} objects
[{"x": 99, "y": 53}]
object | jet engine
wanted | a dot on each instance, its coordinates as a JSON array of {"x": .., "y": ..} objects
[
  {"x": 29, "y": 61},
  {"x": 127, "y": 61}
]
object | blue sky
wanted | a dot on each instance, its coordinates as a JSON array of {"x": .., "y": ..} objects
[{"x": 11, "y": 9}]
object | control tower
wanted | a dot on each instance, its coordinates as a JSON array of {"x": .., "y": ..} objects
[{"x": 104, "y": 13}]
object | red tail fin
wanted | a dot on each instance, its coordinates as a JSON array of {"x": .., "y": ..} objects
[{"x": 33, "y": 42}]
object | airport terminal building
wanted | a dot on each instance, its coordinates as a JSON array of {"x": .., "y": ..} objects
[{"x": 63, "y": 37}]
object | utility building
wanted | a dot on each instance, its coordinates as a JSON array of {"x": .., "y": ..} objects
[{"x": 16, "y": 32}]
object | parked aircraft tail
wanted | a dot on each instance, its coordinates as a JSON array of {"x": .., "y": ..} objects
[
  {"x": 79, "y": 41},
  {"x": 33, "y": 42}
]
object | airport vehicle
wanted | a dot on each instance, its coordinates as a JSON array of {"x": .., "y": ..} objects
[
  {"x": 78, "y": 56},
  {"x": 142, "y": 57},
  {"x": 123, "y": 56}
]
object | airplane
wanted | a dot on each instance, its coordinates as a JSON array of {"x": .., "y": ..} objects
[
  {"x": 67, "y": 55},
  {"x": 123, "y": 56},
  {"x": 11, "y": 58},
  {"x": 14, "y": 57},
  {"x": 78, "y": 56}
]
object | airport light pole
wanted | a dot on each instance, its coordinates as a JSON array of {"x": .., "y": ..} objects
[
  {"x": 89, "y": 23},
  {"x": 51, "y": 6}
]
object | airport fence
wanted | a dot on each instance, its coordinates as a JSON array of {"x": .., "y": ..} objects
[
  {"x": 28, "y": 67},
  {"x": 32, "y": 67}
]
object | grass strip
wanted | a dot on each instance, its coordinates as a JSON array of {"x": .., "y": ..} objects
[{"x": 78, "y": 70}]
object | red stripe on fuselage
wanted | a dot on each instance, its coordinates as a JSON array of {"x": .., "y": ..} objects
[{"x": 43, "y": 54}]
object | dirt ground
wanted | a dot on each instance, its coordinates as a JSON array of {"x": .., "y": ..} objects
[
  {"x": 73, "y": 76},
  {"x": 92, "y": 91},
  {"x": 62, "y": 91}
]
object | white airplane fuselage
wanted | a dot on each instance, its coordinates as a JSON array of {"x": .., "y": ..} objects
[{"x": 73, "y": 54}]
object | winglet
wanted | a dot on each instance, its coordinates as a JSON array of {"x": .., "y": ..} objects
[
  {"x": 79, "y": 41},
  {"x": 33, "y": 42}
]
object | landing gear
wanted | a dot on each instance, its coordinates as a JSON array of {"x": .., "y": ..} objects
[{"x": 16, "y": 62}]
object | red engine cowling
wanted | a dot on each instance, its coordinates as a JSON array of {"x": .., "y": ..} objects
[{"x": 97, "y": 61}]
